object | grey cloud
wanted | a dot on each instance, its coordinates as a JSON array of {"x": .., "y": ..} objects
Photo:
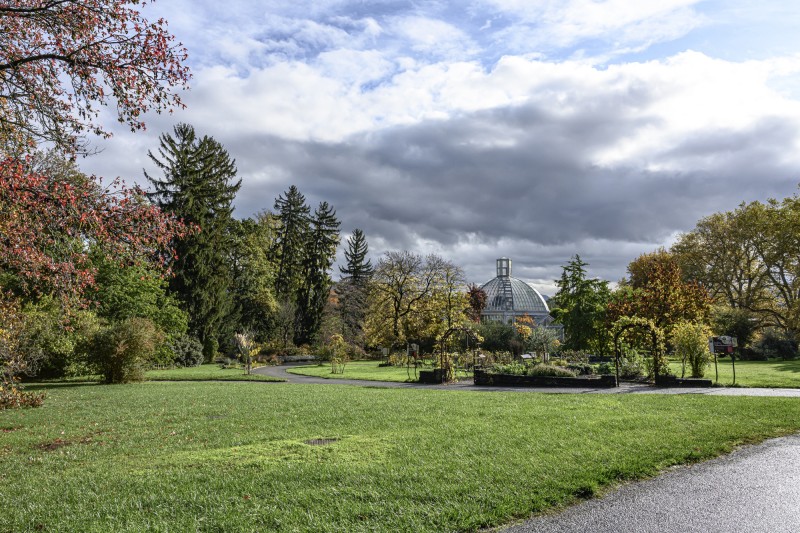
[{"x": 522, "y": 175}]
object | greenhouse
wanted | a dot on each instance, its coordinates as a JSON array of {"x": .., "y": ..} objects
[{"x": 508, "y": 297}]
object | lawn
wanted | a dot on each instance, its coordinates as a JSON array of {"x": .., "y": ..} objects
[
  {"x": 245, "y": 457},
  {"x": 368, "y": 370},
  {"x": 205, "y": 373},
  {"x": 771, "y": 374}
]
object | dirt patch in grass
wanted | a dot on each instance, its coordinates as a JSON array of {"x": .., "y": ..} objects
[{"x": 60, "y": 443}]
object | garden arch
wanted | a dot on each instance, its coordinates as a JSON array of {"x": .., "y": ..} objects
[{"x": 656, "y": 338}]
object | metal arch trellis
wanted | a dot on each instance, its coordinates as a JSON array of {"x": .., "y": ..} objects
[
  {"x": 655, "y": 345},
  {"x": 445, "y": 362}
]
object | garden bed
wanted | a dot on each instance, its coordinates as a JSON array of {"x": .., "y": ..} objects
[
  {"x": 672, "y": 381},
  {"x": 509, "y": 380}
]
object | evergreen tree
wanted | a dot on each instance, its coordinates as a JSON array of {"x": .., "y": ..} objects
[
  {"x": 580, "y": 305},
  {"x": 198, "y": 186},
  {"x": 353, "y": 286},
  {"x": 289, "y": 246},
  {"x": 321, "y": 244}
]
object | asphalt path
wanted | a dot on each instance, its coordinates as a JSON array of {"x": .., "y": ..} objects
[
  {"x": 755, "y": 489},
  {"x": 624, "y": 388}
]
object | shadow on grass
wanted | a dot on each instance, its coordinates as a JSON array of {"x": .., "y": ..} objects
[{"x": 40, "y": 386}]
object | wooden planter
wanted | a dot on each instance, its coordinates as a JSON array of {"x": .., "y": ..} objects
[
  {"x": 507, "y": 380},
  {"x": 431, "y": 376}
]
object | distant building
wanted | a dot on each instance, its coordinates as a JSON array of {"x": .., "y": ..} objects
[{"x": 508, "y": 297}]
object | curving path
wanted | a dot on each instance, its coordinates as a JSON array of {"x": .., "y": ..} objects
[{"x": 625, "y": 388}]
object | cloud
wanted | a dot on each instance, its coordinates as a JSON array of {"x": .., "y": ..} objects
[{"x": 395, "y": 116}]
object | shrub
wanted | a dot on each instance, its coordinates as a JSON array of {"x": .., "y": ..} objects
[
  {"x": 573, "y": 356},
  {"x": 187, "y": 351},
  {"x": 583, "y": 369},
  {"x": 691, "y": 347},
  {"x": 121, "y": 351},
  {"x": 513, "y": 369},
  {"x": 551, "y": 371},
  {"x": 776, "y": 343}
]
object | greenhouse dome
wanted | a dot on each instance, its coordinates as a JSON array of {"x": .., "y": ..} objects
[{"x": 508, "y": 297}]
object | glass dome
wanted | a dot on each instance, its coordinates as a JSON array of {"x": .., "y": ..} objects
[{"x": 508, "y": 297}]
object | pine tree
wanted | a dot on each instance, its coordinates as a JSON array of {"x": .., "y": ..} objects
[
  {"x": 321, "y": 244},
  {"x": 353, "y": 285},
  {"x": 198, "y": 187},
  {"x": 290, "y": 242}
]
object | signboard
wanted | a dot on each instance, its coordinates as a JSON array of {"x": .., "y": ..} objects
[{"x": 722, "y": 345}]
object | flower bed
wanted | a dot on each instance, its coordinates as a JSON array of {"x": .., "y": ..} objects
[{"x": 509, "y": 380}]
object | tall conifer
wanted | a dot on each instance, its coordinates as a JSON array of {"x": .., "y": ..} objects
[
  {"x": 198, "y": 186},
  {"x": 353, "y": 285},
  {"x": 290, "y": 242},
  {"x": 321, "y": 243}
]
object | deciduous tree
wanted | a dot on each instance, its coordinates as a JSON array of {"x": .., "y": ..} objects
[{"x": 62, "y": 59}]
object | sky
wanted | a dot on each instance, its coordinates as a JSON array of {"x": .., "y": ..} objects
[{"x": 529, "y": 129}]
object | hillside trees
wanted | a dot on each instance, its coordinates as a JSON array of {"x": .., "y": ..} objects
[
  {"x": 60, "y": 59},
  {"x": 199, "y": 187}
]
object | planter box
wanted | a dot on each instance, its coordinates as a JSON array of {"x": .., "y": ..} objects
[
  {"x": 672, "y": 381},
  {"x": 508, "y": 380},
  {"x": 431, "y": 376}
]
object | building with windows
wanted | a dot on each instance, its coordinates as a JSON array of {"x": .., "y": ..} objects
[{"x": 508, "y": 297}]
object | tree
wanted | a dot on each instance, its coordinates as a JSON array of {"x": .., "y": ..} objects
[
  {"x": 289, "y": 246},
  {"x": 722, "y": 254},
  {"x": 199, "y": 187},
  {"x": 59, "y": 59},
  {"x": 353, "y": 287},
  {"x": 400, "y": 307},
  {"x": 254, "y": 274},
  {"x": 477, "y": 302},
  {"x": 51, "y": 219},
  {"x": 321, "y": 244},
  {"x": 691, "y": 346},
  {"x": 656, "y": 290},
  {"x": 580, "y": 305}
]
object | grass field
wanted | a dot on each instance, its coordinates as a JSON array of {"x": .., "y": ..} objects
[
  {"x": 241, "y": 456},
  {"x": 205, "y": 373},
  {"x": 770, "y": 374},
  {"x": 368, "y": 370}
]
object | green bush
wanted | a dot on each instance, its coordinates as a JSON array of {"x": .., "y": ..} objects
[
  {"x": 187, "y": 351},
  {"x": 551, "y": 371},
  {"x": 122, "y": 351},
  {"x": 776, "y": 343}
]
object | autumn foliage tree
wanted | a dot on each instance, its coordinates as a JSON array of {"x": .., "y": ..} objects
[
  {"x": 53, "y": 217},
  {"x": 62, "y": 60},
  {"x": 656, "y": 290}
]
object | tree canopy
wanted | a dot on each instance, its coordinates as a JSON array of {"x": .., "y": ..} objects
[{"x": 61, "y": 59}]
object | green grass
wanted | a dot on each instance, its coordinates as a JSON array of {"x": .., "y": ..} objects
[
  {"x": 233, "y": 457},
  {"x": 205, "y": 373},
  {"x": 367, "y": 370},
  {"x": 770, "y": 374}
]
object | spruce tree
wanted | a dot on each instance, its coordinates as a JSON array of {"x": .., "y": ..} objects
[
  {"x": 321, "y": 243},
  {"x": 353, "y": 285},
  {"x": 198, "y": 186},
  {"x": 290, "y": 242}
]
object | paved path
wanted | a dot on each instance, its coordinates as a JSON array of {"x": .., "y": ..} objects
[
  {"x": 625, "y": 388},
  {"x": 755, "y": 489}
]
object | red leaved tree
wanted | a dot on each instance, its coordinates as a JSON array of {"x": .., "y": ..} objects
[
  {"x": 52, "y": 220},
  {"x": 61, "y": 59}
]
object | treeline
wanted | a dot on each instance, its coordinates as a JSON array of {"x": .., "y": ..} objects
[{"x": 736, "y": 273}]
